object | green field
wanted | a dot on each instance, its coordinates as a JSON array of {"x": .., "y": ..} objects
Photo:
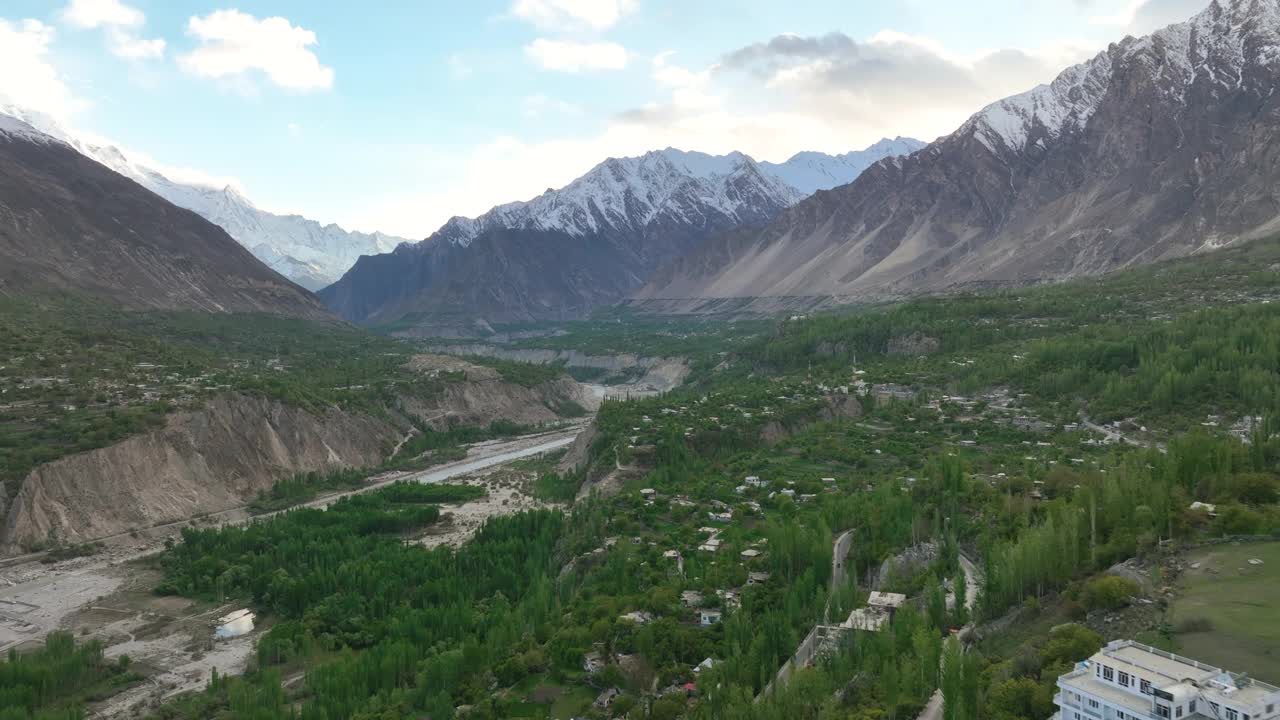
[{"x": 1242, "y": 601}]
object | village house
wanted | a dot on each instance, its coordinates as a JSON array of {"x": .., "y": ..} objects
[
  {"x": 639, "y": 617},
  {"x": 708, "y": 616},
  {"x": 710, "y": 545},
  {"x": 757, "y": 578},
  {"x": 750, "y": 554},
  {"x": 605, "y": 699}
]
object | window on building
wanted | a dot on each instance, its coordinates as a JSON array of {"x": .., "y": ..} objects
[
  {"x": 1093, "y": 703},
  {"x": 1232, "y": 714},
  {"x": 1162, "y": 710},
  {"x": 1145, "y": 687},
  {"x": 1108, "y": 673},
  {"x": 1124, "y": 679},
  {"x": 1191, "y": 707},
  {"x": 1179, "y": 711}
]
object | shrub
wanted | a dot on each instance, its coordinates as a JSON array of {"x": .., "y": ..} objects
[{"x": 1109, "y": 593}]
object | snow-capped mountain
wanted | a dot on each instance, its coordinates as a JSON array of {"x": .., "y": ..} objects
[
  {"x": 72, "y": 224},
  {"x": 629, "y": 193},
  {"x": 310, "y": 254},
  {"x": 1157, "y": 147},
  {"x": 569, "y": 250},
  {"x": 810, "y": 172}
]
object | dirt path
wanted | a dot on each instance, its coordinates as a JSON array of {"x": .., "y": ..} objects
[{"x": 36, "y": 599}]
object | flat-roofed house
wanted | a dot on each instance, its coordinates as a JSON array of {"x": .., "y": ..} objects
[{"x": 1129, "y": 681}]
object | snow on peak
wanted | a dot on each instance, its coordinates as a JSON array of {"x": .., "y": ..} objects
[
  {"x": 810, "y": 172},
  {"x": 1217, "y": 44},
  {"x": 306, "y": 252},
  {"x": 631, "y": 193}
]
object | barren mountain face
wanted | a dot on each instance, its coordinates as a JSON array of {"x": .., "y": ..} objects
[{"x": 1157, "y": 147}]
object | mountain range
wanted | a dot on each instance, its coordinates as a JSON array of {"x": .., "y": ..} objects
[
  {"x": 303, "y": 250},
  {"x": 1157, "y": 147},
  {"x": 69, "y": 224},
  {"x": 590, "y": 243}
]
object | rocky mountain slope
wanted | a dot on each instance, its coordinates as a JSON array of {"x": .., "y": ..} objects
[
  {"x": 1157, "y": 147},
  {"x": 589, "y": 243},
  {"x": 69, "y": 223},
  {"x": 223, "y": 454},
  {"x": 303, "y": 250}
]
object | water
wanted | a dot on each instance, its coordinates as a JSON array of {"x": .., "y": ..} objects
[
  {"x": 234, "y": 625},
  {"x": 435, "y": 476}
]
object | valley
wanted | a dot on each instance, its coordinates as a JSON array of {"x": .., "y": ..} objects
[{"x": 981, "y": 428}]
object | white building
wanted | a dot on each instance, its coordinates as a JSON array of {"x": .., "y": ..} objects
[{"x": 1129, "y": 681}]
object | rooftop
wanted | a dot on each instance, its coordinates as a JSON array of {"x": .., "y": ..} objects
[{"x": 1234, "y": 687}]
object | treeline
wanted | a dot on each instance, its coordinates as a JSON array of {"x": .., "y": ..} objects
[
  {"x": 52, "y": 682},
  {"x": 1104, "y": 518},
  {"x": 398, "y": 629}
]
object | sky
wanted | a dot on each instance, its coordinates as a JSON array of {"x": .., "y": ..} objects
[{"x": 394, "y": 115}]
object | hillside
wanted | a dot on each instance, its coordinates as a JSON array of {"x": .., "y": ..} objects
[
  {"x": 308, "y": 253},
  {"x": 589, "y": 244},
  {"x": 69, "y": 224},
  {"x": 1156, "y": 148}
]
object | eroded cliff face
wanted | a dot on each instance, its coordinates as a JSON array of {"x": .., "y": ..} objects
[
  {"x": 221, "y": 456},
  {"x": 203, "y": 461}
]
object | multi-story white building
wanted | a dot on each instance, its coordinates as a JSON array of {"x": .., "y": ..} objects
[{"x": 1129, "y": 681}]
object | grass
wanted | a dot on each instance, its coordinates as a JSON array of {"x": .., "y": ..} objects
[{"x": 1239, "y": 601}]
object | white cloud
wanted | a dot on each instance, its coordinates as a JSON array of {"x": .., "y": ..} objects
[
  {"x": 120, "y": 22},
  {"x": 569, "y": 15},
  {"x": 569, "y": 56},
  {"x": 770, "y": 100},
  {"x": 102, "y": 13},
  {"x": 126, "y": 45},
  {"x": 233, "y": 43},
  {"x": 29, "y": 79}
]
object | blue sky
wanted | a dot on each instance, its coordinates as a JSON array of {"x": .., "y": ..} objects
[{"x": 395, "y": 114}]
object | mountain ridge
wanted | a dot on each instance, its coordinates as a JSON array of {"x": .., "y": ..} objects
[
  {"x": 1156, "y": 147},
  {"x": 569, "y": 250},
  {"x": 69, "y": 224},
  {"x": 310, "y": 253}
]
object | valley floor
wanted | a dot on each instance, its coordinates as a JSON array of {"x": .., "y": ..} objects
[{"x": 170, "y": 640}]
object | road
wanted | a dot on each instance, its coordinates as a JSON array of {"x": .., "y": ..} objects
[
  {"x": 973, "y": 581},
  {"x": 1113, "y": 435},
  {"x": 839, "y": 553},
  {"x": 37, "y": 599}
]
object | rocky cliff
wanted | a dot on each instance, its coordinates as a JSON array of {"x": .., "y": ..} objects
[
  {"x": 221, "y": 456},
  {"x": 201, "y": 462}
]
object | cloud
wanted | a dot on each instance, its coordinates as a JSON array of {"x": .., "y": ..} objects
[
  {"x": 572, "y": 15},
  {"x": 120, "y": 22},
  {"x": 567, "y": 56},
  {"x": 30, "y": 80},
  {"x": 1140, "y": 17},
  {"x": 233, "y": 43},
  {"x": 892, "y": 83},
  {"x": 771, "y": 99},
  {"x": 102, "y": 13}
]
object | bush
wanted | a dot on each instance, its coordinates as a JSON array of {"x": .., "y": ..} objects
[{"x": 1109, "y": 593}]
